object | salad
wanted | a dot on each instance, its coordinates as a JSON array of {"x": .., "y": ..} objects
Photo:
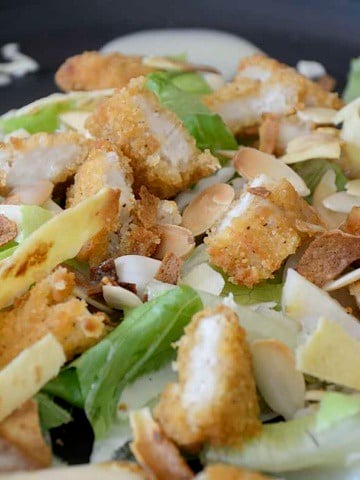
[{"x": 180, "y": 281}]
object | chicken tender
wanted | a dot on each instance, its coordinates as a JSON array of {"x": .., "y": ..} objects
[
  {"x": 96, "y": 71},
  {"x": 259, "y": 231},
  {"x": 215, "y": 398},
  {"x": 49, "y": 307},
  {"x": 163, "y": 154},
  {"x": 228, "y": 472},
  {"x": 52, "y": 157},
  {"x": 263, "y": 85}
]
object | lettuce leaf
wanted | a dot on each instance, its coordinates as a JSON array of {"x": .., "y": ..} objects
[
  {"x": 206, "y": 127},
  {"x": 263, "y": 292},
  {"x": 300, "y": 444},
  {"x": 352, "y": 89},
  {"x": 312, "y": 171},
  {"x": 50, "y": 413},
  {"x": 140, "y": 344},
  {"x": 191, "y": 82},
  {"x": 45, "y": 119}
]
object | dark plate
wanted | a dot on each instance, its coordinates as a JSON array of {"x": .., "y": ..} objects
[{"x": 49, "y": 31}]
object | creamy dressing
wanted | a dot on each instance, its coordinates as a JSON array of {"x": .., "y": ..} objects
[{"x": 210, "y": 47}]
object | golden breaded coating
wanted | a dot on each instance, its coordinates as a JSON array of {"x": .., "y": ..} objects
[
  {"x": 228, "y": 472},
  {"x": 215, "y": 398},
  {"x": 163, "y": 154},
  {"x": 96, "y": 71},
  {"x": 22, "y": 446},
  {"x": 49, "y": 307},
  {"x": 52, "y": 157},
  {"x": 260, "y": 231},
  {"x": 104, "y": 167},
  {"x": 265, "y": 86}
]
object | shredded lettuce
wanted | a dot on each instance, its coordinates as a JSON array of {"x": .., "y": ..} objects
[
  {"x": 140, "y": 344},
  {"x": 45, "y": 119},
  {"x": 208, "y": 129},
  {"x": 302, "y": 443},
  {"x": 50, "y": 413},
  {"x": 312, "y": 171},
  {"x": 352, "y": 89}
]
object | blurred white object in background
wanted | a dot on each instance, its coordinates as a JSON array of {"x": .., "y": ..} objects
[{"x": 17, "y": 65}]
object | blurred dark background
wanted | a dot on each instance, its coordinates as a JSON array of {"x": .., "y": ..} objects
[{"x": 49, "y": 31}]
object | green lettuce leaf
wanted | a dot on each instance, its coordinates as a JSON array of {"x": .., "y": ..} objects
[
  {"x": 206, "y": 127},
  {"x": 300, "y": 444},
  {"x": 45, "y": 119},
  {"x": 312, "y": 171},
  {"x": 191, "y": 82},
  {"x": 140, "y": 344},
  {"x": 352, "y": 89},
  {"x": 50, "y": 413},
  {"x": 263, "y": 292}
]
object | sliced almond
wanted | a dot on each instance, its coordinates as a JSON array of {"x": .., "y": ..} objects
[
  {"x": 227, "y": 153},
  {"x": 280, "y": 384},
  {"x": 76, "y": 121},
  {"x": 341, "y": 202},
  {"x": 314, "y": 395},
  {"x": 168, "y": 63},
  {"x": 317, "y": 115},
  {"x": 353, "y": 187},
  {"x": 314, "y": 145},
  {"x": 118, "y": 297},
  {"x": 136, "y": 269},
  {"x": 251, "y": 163},
  {"x": 343, "y": 281},
  {"x": 174, "y": 239},
  {"x": 204, "y": 278},
  {"x": 324, "y": 189},
  {"x": 207, "y": 207}
]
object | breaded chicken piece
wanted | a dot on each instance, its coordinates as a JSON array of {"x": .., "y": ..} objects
[
  {"x": 260, "y": 230},
  {"x": 22, "y": 446},
  {"x": 163, "y": 154},
  {"x": 52, "y": 157},
  {"x": 96, "y": 71},
  {"x": 49, "y": 307},
  {"x": 215, "y": 398},
  {"x": 228, "y": 472},
  {"x": 263, "y": 85}
]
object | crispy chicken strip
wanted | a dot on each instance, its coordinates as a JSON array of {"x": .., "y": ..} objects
[
  {"x": 22, "y": 446},
  {"x": 52, "y": 157},
  {"x": 259, "y": 231},
  {"x": 49, "y": 307},
  {"x": 96, "y": 71},
  {"x": 215, "y": 398},
  {"x": 163, "y": 154},
  {"x": 228, "y": 472},
  {"x": 263, "y": 85}
]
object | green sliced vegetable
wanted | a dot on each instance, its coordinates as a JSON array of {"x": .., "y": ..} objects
[
  {"x": 191, "y": 82},
  {"x": 263, "y": 292},
  {"x": 50, "y": 413},
  {"x": 300, "y": 444},
  {"x": 352, "y": 89},
  {"x": 140, "y": 344},
  {"x": 44, "y": 119},
  {"x": 206, "y": 127},
  {"x": 66, "y": 386},
  {"x": 312, "y": 171}
]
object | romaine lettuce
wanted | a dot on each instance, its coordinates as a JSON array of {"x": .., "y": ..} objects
[
  {"x": 352, "y": 89},
  {"x": 141, "y": 343},
  {"x": 206, "y": 127},
  {"x": 50, "y": 413}
]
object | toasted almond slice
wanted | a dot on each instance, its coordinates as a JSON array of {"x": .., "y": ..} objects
[
  {"x": 324, "y": 189},
  {"x": 341, "y": 202},
  {"x": 207, "y": 207},
  {"x": 227, "y": 153},
  {"x": 76, "y": 121},
  {"x": 317, "y": 115},
  {"x": 156, "y": 453},
  {"x": 118, "y": 297},
  {"x": 353, "y": 187},
  {"x": 136, "y": 269},
  {"x": 314, "y": 395},
  {"x": 343, "y": 281},
  {"x": 313, "y": 145},
  {"x": 281, "y": 385},
  {"x": 174, "y": 239},
  {"x": 168, "y": 63},
  {"x": 251, "y": 163},
  {"x": 203, "y": 277}
]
